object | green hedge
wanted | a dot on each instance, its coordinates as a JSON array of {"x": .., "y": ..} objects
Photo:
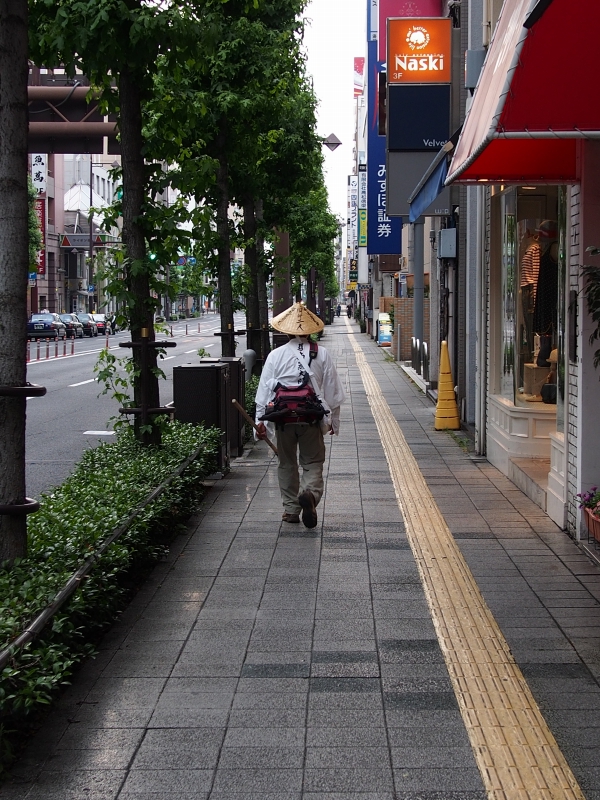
[{"x": 105, "y": 487}]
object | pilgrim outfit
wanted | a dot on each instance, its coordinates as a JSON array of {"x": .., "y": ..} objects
[{"x": 291, "y": 365}]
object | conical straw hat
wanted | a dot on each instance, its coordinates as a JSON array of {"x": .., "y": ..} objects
[{"x": 297, "y": 321}]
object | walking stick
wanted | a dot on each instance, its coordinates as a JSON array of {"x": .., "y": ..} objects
[{"x": 249, "y": 419}]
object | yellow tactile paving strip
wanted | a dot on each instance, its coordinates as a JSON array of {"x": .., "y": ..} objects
[{"x": 516, "y": 753}]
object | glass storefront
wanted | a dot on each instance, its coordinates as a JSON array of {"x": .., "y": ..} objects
[{"x": 533, "y": 267}]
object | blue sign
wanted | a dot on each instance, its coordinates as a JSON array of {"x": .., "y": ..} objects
[
  {"x": 191, "y": 261},
  {"x": 181, "y": 261},
  {"x": 383, "y": 232}
]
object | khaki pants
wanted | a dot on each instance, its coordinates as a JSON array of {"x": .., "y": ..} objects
[{"x": 308, "y": 439}]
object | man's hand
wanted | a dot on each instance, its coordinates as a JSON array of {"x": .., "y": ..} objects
[{"x": 261, "y": 430}]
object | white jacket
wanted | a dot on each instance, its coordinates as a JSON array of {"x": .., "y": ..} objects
[{"x": 288, "y": 365}]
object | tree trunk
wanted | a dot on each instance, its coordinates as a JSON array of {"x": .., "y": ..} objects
[
  {"x": 142, "y": 304},
  {"x": 251, "y": 260},
  {"x": 311, "y": 299},
  {"x": 224, "y": 247},
  {"x": 321, "y": 298},
  {"x": 263, "y": 301},
  {"x": 281, "y": 273},
  {"x": 14, "y": 264}
]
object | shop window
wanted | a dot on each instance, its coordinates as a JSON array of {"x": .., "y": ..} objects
[{"x": 533, "y": 301}]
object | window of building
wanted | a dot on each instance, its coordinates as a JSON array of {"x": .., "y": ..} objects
[{"x": 533, "y": 268}]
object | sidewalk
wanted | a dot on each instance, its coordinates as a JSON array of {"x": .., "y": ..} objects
[{"x": 265, "y": 661}]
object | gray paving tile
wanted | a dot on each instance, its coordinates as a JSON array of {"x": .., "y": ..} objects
[
  {"x": 438, "y": 757},
  {"x": 257, "y": 780},
  {"x": 232, "y": 795},
  {"x": 168, "y": 780},
  {"x": 267, "y": 718},
  {"x": 276, "y": 670},
  {"x": 167, "y": 749},
  {"x": 350, "y": 795},
  {"x": 347, "y": 757},
  {"x": 265, "y": 737},
  {"x": 348, "y": 780},
  {"x": 439, "y": 780}
]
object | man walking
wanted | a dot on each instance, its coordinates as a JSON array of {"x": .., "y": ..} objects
[{"x": 295, "y": 365}]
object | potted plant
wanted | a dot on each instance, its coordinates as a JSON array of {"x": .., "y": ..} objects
[{"x": 590, "y": 502}]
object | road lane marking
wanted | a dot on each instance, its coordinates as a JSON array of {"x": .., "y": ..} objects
[
  {"x": 187, "y": 352},
  {"x": 516, "y": 753},
  {"x": 98, "y": 433},
  {"x": 81, "y": 383}
]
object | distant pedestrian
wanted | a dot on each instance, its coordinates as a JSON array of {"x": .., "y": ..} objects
[
  {"x": 349, "y": 311},
  {"x": 338, "y": 310},
  {"x": 299, "y": 394}
]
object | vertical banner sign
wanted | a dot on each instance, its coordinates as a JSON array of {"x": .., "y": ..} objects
[
  {"x": 353, "y": 183},
  {"x": 39, "y": 172},
  {"x": 383, "y": 232},
  {"x": 40, "y": 212},
  {"x": 403, "y": 8},
  {"x": 362, "y": 205},
  {"x": 359, "y": 76},
  {"x": 363, "y": 259}
]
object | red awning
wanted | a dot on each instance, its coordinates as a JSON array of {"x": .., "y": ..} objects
[{"x": 538, "y": 93}]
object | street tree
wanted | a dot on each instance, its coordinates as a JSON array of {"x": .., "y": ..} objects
[
  {"x": 118, "y": 45},
  {"x": 211, "y": 108}
]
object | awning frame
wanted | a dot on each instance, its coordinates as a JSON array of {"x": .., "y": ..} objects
[{"x": 492, "y": 132}]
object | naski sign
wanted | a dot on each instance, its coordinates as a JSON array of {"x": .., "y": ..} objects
[{"x": 419, "y": 50}]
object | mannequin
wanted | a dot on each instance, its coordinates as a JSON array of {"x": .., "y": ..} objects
[
  {"x": 530, "y": 268},
  {"x": 546, "y": 295}
]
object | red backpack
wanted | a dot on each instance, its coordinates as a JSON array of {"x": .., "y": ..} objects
[{"x": 295, "y": 403}]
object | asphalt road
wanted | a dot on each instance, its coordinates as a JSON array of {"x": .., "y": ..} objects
[{"x": 73, "y": 415}]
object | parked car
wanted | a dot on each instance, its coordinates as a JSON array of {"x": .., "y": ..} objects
[
  {"x": 104, "y": 324},
  {"x": 89, "y": 324},
  {"x": 73, "y": 326},
  {"x": 46, "y": 326}
]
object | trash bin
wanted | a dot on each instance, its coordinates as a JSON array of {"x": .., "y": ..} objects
[
  {"x": 202, "y": 394},
  {"x": 237, "y": 381}
]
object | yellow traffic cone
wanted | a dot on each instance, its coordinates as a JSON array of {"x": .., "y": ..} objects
[{"x": 446, "y": 411}]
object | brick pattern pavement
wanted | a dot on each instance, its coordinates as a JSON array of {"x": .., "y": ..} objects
[{"x": 266, "y": 661}]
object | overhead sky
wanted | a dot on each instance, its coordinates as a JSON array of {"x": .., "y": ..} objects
[{"x": 335, "y": 35}]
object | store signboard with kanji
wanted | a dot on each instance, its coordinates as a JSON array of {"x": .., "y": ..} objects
[
  {"x": 40, "y": 213},
  {"x": 383, "y": 233},
  {"x": 39, "y": 171}
]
